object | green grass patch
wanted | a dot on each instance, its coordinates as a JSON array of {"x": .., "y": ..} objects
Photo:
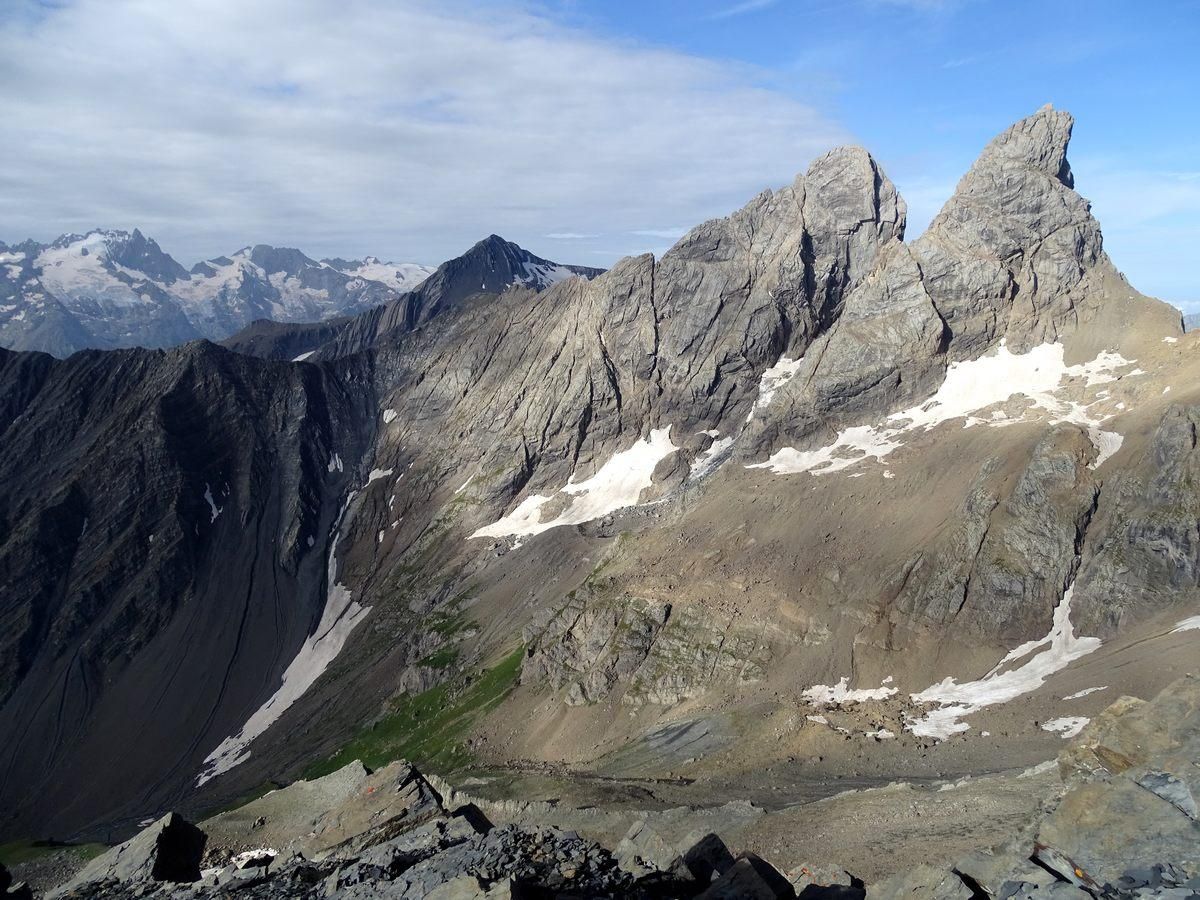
[
  {"x": 17, "y": 852},
  {"x": 442, "y": 658},
  {"x": 428, "y": 729}
]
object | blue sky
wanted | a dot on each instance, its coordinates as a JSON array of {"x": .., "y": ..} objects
[
  {"x": 583, "y": 129},
  {"x": 924, "y": 84}
]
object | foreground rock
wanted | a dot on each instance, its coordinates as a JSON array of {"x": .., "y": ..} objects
[
  {"x": 355, "y": 834},
  {"x": 1125, "y": 826}
]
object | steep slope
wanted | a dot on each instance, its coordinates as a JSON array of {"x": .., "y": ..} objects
[
  {"x": 282, "y": 341},
  {"x": 880, "y": 494},
  {"x": 494, "y": 264},
  {"x": 166, "y": 521}
]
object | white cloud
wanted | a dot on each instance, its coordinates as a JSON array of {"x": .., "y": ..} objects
[
  {"x": 740, "y": 9},
  {"x": 403, "y": 129},
  {"x": 669, "y": 233},
  {"x": 1151, "y": 223},
  {"x": 569, "y": 236}
]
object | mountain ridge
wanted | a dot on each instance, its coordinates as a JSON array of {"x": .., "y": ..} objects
[
  {"x": 649, "y": 481},
  {"x": 110, "y": 288}
]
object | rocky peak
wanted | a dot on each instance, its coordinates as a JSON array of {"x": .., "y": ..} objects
[
  {"x": 279, "y": 259},
  {"x": 1039, "y": 141},
  {"x": 136, "y": 251}
]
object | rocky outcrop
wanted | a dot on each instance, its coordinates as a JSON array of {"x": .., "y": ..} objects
[
  {"x": 392, "y": 835},
  {"x": 1126, "y": 825},
  {"x": 170, "y": 850},
  {"x": 648, "y": 652},
  {"x": 1145, "y": 548},
  {"x": 1014, "y": 549}
]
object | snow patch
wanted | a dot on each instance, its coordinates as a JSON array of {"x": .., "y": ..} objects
[
  {"x": 335, "y": 463},
  {"x": 338, "y": 620},
  {"x": 711, "y": 459},
  {"x": 389, "y": 416},
  {"x": 1170, "y": 340},
  {"x": 303, "y": 356},
  {"x": 617, "y": 484},
  {"x": 1067, "y": 726},
  {"x": 820, "y": 720},
  {"x": 773, "y": 379},
  {"x": 212, "y": 504},
  {"x": 1191, "y": 623},
  {"x": 376, "y": 474},
  {"x": 1085, "y": 692},
  {"x": 841, "y": 693},
  {"x": 1002, "y": 684},
  {"x": 969, "y": 388}
]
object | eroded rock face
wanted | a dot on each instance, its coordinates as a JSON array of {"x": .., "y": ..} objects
[
  {"x": 1009, "y": 254},
  {"x": 1014, "y": 551},
  {"x": 599, "y": 646},
  {"x": 1146, "y": 546}
]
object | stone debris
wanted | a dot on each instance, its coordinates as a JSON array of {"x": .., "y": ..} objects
[{"x": 1124, "y": 827}]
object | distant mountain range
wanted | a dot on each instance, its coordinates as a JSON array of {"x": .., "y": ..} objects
[{"x": 111, "y": 289}]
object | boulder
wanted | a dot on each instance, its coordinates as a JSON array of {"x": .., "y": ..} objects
[
  {"x": 168, "y": 850},
  {"x": 749, "y": 878}
]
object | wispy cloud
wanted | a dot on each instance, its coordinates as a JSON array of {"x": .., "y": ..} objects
[
  {"x": 406, "y": 130},
  {"x": 740, "y": 9},
  {"x": 569, "y": 236},
  {"x": 667, "y": 233},
  {"x": 960, "y": 61}
]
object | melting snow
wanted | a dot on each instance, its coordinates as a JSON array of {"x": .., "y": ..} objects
[
  {"x": 338, "y": 619},
  {"x": 376, "y": 474},
  {"x": 840, "y": 693},
  {"x": 1191, "y": 623},
  {"x": 617, "y": 484},
  {"x": 970, "y": 387},
  {"x": 710, "y": 460},
  {"x": 1068, "y": 726},
  {"x": 820, "y": 720},
  {"x": 1085, "y": 692},
  {"x": 212, "y": 504},
  {"x": 389, "y": 416},
  {"x": 1001, "y": 685},
  {"x": 772, "y": 380}
]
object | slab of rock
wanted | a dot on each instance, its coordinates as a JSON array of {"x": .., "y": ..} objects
[
  {"x": 168, "y": 850},
  {"x": 749, "y": 878}
]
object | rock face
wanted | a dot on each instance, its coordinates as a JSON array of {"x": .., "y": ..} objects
[
  {"x": 185, "y": 503},
  {"x": 649, "y": 652}
]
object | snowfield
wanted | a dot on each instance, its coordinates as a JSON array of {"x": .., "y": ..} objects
[
  {"x": 617, "y": 484},
  {"x": 970, "y": 387},
  {"x": 956, "y": 701}
]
